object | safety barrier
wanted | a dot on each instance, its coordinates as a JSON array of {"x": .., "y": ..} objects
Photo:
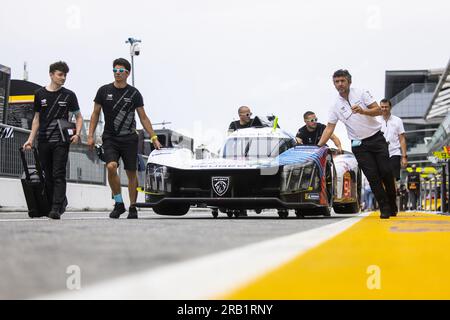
[
  {"x": 83, "y": 165},
  {"x": 432, "y": 192}
]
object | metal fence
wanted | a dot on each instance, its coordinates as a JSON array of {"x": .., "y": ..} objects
[
  {"x": 10, "y": 163},
  {"x": 83, "y": 165}
]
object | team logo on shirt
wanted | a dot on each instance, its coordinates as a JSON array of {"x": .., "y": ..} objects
[
  {"x": 62, "y": 103},
  {"x": 109, "y": 97},
  {"x": 44, "y": 102},
  {"x": 127, "y": 100}
]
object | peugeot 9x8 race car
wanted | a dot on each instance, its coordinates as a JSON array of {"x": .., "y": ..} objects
[{"x": 258, "y": 168}]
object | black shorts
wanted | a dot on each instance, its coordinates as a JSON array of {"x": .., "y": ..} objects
[
  {"x": 124, "y": 148},
  {"x": 395, "y": 166}
]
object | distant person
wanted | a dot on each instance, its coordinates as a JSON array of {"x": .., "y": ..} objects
[
  {"x": 403, "y": 195},
  {"x": 119, "y": 102},
  {"x": 312, "y": 131},
  {"x": 245, "y": 120},
  {"x": 413, "y": 181},
  {"x": 52, "y": 103},
  {"x": 394, "y": 133},
  {"x": 368, "y": 198},
  {"x": 357, "y": 109}
]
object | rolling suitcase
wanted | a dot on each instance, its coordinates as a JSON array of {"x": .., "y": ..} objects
[{"x": 33, "y": 183}]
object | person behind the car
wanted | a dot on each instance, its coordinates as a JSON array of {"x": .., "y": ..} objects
[
  {"x": 312, "y": 131},
  {"x": 357, "y": 109},
  {"x": 119, "y": 102},
  {"x": 245, "y": 120}
]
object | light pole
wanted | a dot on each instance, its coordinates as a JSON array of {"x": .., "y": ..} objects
[{"x": 135, "y": 50}]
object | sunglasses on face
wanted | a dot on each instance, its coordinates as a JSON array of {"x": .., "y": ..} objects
[
  {"x": 246, "y": 114},
  {"x": 121, "y": 70},
  {"x": 312, "y": 120}
]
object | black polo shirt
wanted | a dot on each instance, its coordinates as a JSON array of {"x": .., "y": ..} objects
[
  {"x": 236, "y": 125},
  {"x": 53, "y": 105},
  {"x": 311, "y": 137},
  {"x": 119, "y": 106}
]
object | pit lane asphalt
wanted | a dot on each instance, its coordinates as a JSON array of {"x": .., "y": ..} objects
[{"x": 35, "y": 253}]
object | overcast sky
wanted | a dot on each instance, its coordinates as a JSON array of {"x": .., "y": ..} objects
[{"x": 202, "y": 59}]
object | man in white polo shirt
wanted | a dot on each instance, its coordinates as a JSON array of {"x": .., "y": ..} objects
[
  {"x": 394, "y": 133},
  {"x": 357, "y": 109}
]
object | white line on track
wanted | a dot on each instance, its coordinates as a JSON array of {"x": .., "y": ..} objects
[
  {"x": 47, "y": 219},
  {"x": 213, "y": 275}
]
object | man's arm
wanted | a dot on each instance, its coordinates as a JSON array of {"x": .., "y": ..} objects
[
  {"x": 373, "y": 110},
  {"x": 93, "y": 125},
  {"x": 298, "y": 137},
  {"x": 336, "y": 142},
  {"x": 402, "y": 139},
  {"x": 79, "y": 124},
  {"x": 146, "y": 123},
  {"x": 34, "y": 129},
  {"x": 327, "y": 133}
]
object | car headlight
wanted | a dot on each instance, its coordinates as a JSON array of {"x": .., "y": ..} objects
[
  {"x": 295, "y": 178},
  {"x": 158, "y": 179}
]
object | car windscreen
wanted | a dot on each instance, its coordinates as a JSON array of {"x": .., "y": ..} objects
[{"x": 255, "y": 147}]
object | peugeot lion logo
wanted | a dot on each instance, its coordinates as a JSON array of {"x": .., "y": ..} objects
[{"x": 220, "y": 185}]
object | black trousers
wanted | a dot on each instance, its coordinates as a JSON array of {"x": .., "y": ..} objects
[
  {"x": 53, "y": 156},
  {"x": 373, "y": 159},
  {"x": 395, "y": 166},
  {"x": 414, "y": 196}
]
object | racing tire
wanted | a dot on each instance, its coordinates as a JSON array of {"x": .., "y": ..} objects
[
  {"x": 215, "y": 213},
  {"x": 229, "y": 214},
  {"x": 347, "y": 208},
  {"x": 172, "y": 210}
]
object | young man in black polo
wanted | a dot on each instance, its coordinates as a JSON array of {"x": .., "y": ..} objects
[
  {"x": 52, "y": 103},
  {"x": 357, "y": 109},
  {"x": 119, "y": 102},
  {"x": 312, "y": 131}
]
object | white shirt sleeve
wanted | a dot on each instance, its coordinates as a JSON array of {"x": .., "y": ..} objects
[
  {"x": 333, "y": 116},
  {"x": 401, "y": 129},
  {"x": 367, "y": 98}
]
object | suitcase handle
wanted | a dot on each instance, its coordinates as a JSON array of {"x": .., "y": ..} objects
[{"x": 36, "y": 160}]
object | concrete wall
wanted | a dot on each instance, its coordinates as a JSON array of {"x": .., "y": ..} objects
[{"x": 80, "y": 196}]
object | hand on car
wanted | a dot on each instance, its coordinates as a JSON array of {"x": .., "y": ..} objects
[{"x": 156, "y": 144}]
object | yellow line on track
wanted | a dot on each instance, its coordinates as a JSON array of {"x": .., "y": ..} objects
[{"x": 405, "y": 257}]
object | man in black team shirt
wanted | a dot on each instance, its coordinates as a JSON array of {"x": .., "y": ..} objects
[
  {"x": 52, "y": 103},
  {"x": 311, "y": 132},
  {"x": 245, "y": 120},
  {"x": 119, "y": 101}
]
